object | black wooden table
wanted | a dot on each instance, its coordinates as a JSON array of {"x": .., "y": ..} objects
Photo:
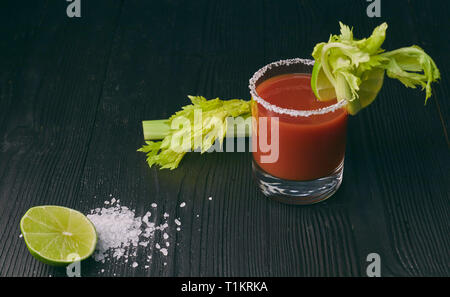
[{"x": 73, "y": 93}]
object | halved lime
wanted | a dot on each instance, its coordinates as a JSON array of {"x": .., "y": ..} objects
[
  {"x": 371, "y": 84},
  {"x": 58, "y": 235},
  {"x": 320, "y": 84}
]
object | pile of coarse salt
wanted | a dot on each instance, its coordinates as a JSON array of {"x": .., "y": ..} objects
[{"x": 121, "y": 233}]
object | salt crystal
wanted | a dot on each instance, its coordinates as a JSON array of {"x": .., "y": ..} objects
[
  {"x": 121, "y": 233},
  {"x": 210, "y": 198},
  {"x": 162, "y": 227},
  {"x": 273, "y": 108},
  {"x": 149, "y": 230},
  {"x": 143, "y": 243},
  {"x": 118, "y": 229},
  {"x": 178, "y": 228},
  {"x": 183, "y": 204},
  {"x": 145, "y": 217}
]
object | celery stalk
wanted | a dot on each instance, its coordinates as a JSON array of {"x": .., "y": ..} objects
[
  {"x": 158, "y": 129},
  {"x": 202, "y": 123}
]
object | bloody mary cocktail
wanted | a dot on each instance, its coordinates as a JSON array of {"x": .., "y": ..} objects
[
  {"x": 307, "y": 135},
  {"x": 309, "y": 147}
]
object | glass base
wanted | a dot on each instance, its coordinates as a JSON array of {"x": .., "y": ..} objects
[{"x": 297, "y": 192}]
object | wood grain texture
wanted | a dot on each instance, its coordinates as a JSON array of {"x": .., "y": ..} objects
[
  {"x": 53, "y": 85},
  {"x": 432, "y": 36},
  {"x": 74, "y": 93}
]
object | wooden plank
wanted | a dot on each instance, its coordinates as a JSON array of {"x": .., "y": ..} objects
[
  {"x": 139, "y": 84},
  {"x": 429, "y": 21},
  {"x": 50, "y": 90},
  {"x": 405, "y": 167}
]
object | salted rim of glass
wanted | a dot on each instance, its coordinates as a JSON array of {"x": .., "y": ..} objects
[{"x": 291, "y": 112}]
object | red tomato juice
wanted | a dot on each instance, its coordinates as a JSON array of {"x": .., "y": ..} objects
[{"x": 309, "y": 147}]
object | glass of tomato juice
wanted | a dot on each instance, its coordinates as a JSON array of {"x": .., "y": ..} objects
[{"x": 298, "y": 142}]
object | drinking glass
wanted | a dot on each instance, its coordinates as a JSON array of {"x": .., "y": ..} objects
[{"x": 308, "y": 166}]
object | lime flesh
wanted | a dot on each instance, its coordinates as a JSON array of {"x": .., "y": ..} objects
[
  {"x": 368, "y": 90},
  {"x": 58, "y": 235},
  {"x": 321, "y": 86}
]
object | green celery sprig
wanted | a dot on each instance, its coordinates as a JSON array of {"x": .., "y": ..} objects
[
  {"x": 353, "y": 65},
  {"x": 187, "y": 131}
]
